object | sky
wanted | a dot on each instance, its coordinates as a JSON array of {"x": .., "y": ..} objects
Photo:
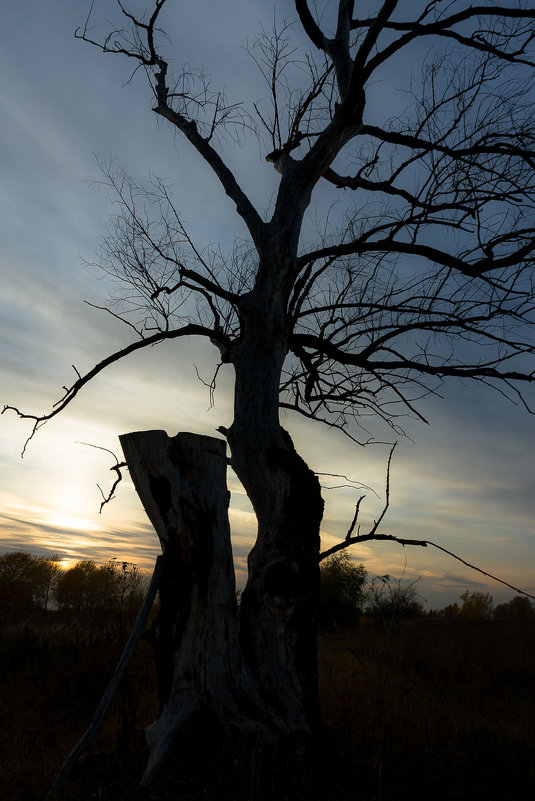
[{"x": 465, "y": 481}]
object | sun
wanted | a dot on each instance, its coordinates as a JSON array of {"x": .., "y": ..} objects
[{"x": 66, "y": 563}]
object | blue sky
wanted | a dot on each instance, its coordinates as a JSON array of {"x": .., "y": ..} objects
[{"x": 465, "y": 482}]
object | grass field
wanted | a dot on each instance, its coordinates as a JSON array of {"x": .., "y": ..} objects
[{"x": 436, "y": 709}]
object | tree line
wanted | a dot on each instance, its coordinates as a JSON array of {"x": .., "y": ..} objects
[
  {"x": 347, "y": 596},
  {"x": 29, "y": 582}
]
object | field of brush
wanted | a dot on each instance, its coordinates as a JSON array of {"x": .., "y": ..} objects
[{"x": 434, "y": 709}]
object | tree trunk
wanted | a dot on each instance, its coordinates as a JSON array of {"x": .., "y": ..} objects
[
  {"x": 280, "y": 603},
  {"x": 262, "y": 679},
  {"x": 182, "y": 484},
  {"x": 279, "y": 606}
]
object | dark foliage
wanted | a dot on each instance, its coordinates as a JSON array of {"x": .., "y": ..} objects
[
  {"x": 343, "y": 591},
  {"x": 26, "y": 583}
]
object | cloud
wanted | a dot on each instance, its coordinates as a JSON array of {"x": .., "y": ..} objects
[
  {"x": 465, "y": 481},
  {"x": 130, "y": 543}
]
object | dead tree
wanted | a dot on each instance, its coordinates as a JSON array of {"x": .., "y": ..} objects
[
  {"x": 426, "y": 275},
  {"x": 182, "y": 484}
]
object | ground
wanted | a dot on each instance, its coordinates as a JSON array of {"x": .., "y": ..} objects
[{"x": 436, "y": 708}]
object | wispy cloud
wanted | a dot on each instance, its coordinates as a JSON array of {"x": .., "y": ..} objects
[{"x": 466, "y": 482}]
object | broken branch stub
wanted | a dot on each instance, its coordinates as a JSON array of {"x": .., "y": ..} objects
[{"x": 182, "y": 484}]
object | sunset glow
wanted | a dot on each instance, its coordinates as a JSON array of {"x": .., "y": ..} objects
[
  {"x": 465, "y": 481},
  {"x": 66, "y": 564}
]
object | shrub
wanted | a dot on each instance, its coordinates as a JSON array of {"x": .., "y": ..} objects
[
  {"x": 342, "y": 591},
  {"x": 390, "y": 601},
  {"x": 476, "y": 605}
]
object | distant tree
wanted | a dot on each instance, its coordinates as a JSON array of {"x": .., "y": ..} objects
[
  {"x": 125, "y": 584},
  {"x": 394, "y": 252},
  {"x": 26, "y": 582},
  {"x": 391, "y": 601},
  {"x": 81, "y": 586},
  {"x": 343, "y": 591},
  {"x": 16, "y": 583},
  {"x": 476, "y": 605},
  {"x": 451, "y": 611},
  {"x": 103, "y": 589},
  {"x": 518, "y": 608},
  {"x": 113, "y": 587},
  {"x": 47, "y": 570}
]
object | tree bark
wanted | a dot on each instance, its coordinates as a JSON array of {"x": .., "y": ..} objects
[
  {"x": 263, "y": 678},
  {"x": 182, "y": 484},
  {"x": 279, "y": 606}
]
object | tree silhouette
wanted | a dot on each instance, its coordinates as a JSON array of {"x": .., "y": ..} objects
[
  {"x": 518, "y": 608},
  {"x": 419, "y": 269},
  {"x": 80, "y": 587},
  {"x": 26, "y": 582},
  {"x": 390, "y": 601},
  {"x": 343, "y": 591},
  {"x": 114, "y": 588},
  {"x": 476, "y": 605}
]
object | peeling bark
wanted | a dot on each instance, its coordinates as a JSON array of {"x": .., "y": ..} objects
[
  {"x": 279, "y": 605},
  {"x": 263, "y": 678},
  {"x": 182, "y": 484}
]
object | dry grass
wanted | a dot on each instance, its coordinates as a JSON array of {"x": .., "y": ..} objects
[
  {"x": 434, "y": 710},
  {"x": 442, "y": 711}
]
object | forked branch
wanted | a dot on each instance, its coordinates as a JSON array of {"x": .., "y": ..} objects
[
  {"x": 140, "y": 45},
  {"x": 357, "y": 539},
  {"x": 71, "y": 392},
  {"x": 117, "y": 467}
]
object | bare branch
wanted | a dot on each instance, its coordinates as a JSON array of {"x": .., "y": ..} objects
[
  {"x": 141, "y": 46},
  {"x": 349, "y": 539},
  {"x": 357, "y": 539},
  {"x": 422, "y": 543},
  {"x": 312, "y": 29},
  {"x": 116, "y": 468},
  {"x": 72, "y": 391}
]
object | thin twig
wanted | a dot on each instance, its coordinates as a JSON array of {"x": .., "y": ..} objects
[
  {"x": 423, "y": 543},
  {"x": 479, "y": 570},
  {"x": 117, "y": 467},
  {"x": 373, "y": 535}
]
